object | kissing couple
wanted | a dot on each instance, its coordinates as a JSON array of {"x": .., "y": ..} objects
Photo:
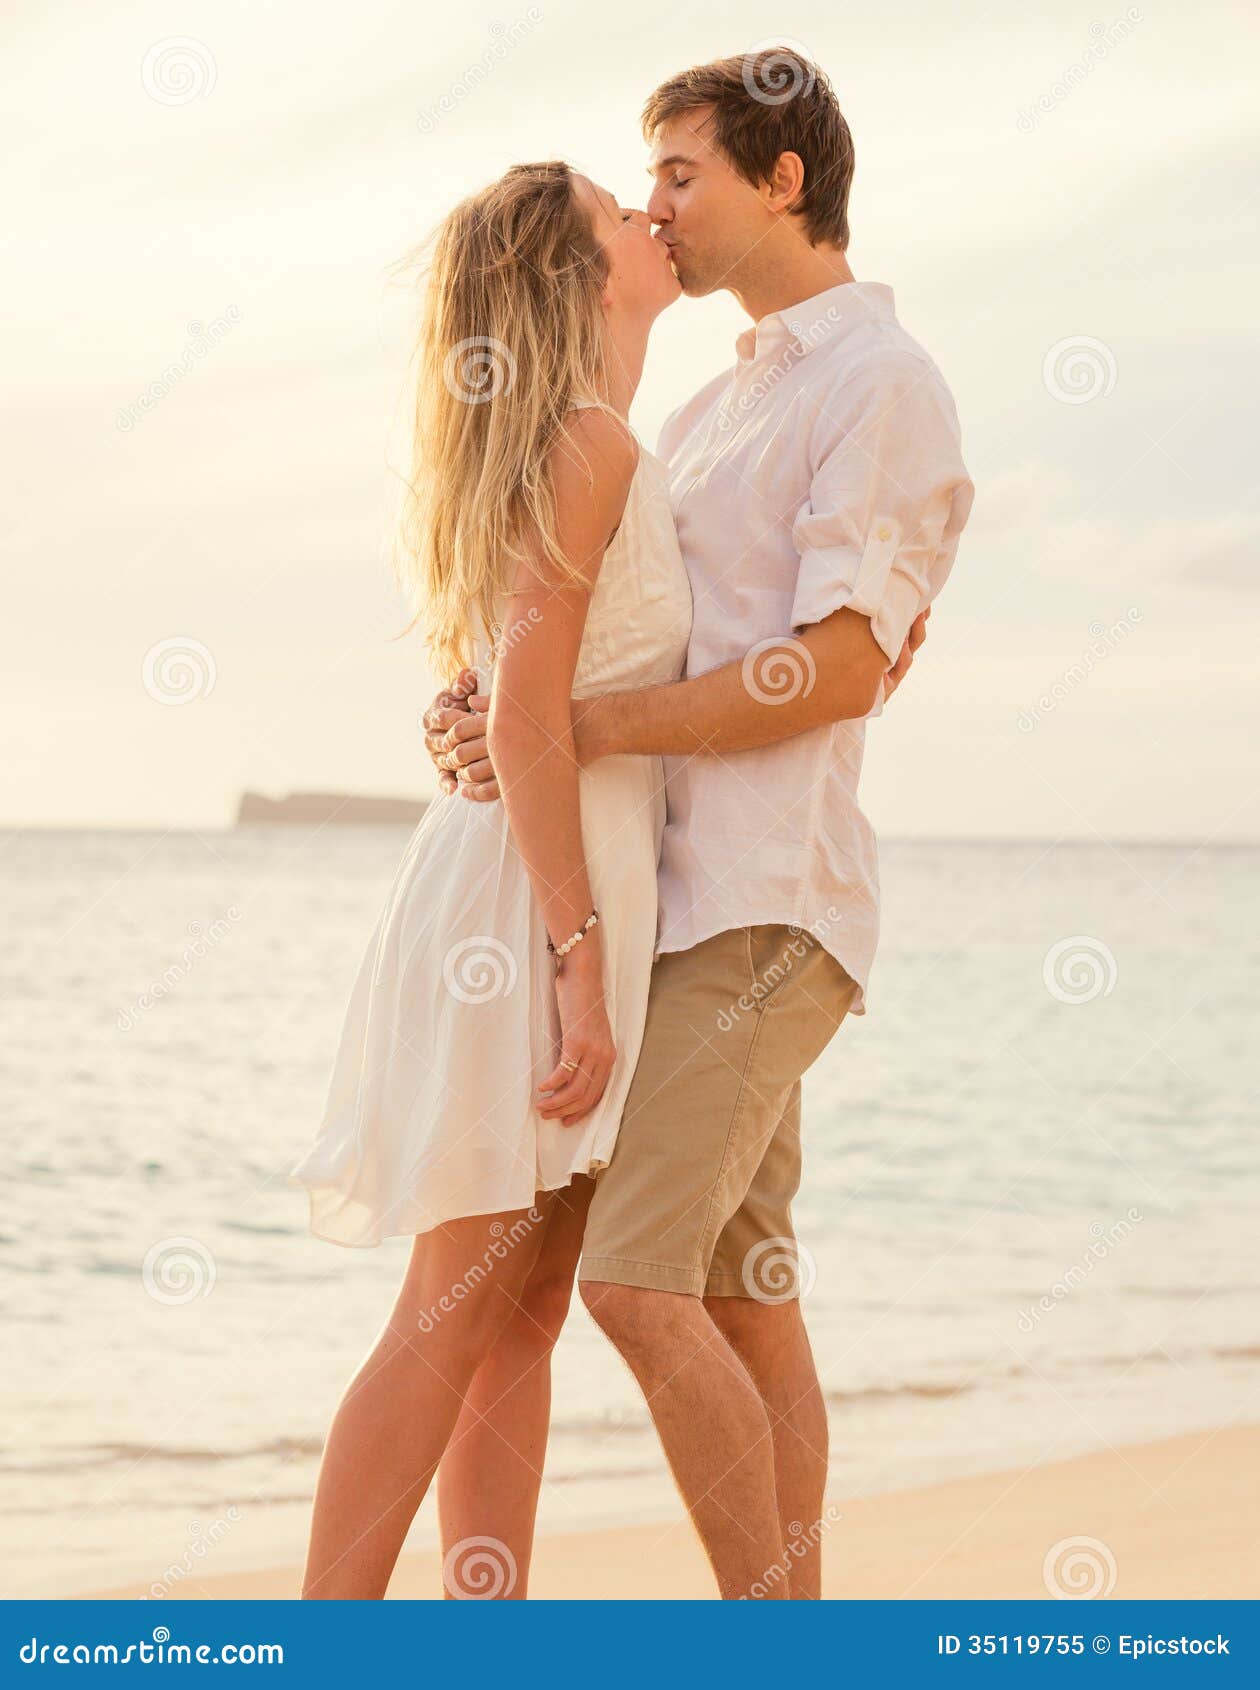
[{"x": 645, "y": 897}]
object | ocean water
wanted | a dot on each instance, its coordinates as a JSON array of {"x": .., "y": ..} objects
[{"x": 1029, "y": 1208}]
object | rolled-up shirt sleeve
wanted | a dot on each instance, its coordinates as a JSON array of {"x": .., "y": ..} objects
[{"x": 887, "y": 503}]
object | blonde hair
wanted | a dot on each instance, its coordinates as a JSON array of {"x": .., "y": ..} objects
[{"x": 511, "y": 333}]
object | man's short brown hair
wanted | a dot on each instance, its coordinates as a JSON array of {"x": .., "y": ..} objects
[{"x": 765, "y": 103}]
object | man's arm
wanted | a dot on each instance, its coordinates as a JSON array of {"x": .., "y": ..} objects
[
  {"x": 605, "y": 724},
  {"x": 783, "y": 686}
]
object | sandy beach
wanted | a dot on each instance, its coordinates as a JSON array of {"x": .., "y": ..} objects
[{"x": 1174, "y": 1518}]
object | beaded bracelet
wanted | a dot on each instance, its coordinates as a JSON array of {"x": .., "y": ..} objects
[{"x": 575, "y": 938}]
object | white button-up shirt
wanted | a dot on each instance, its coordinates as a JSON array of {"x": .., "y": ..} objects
[{"x": 823, "y": 470}]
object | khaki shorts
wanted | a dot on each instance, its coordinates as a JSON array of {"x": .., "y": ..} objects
[{"x": 697, "y": 1196}]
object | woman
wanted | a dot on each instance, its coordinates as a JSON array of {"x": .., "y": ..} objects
[{"x": 497, "y": 1017}]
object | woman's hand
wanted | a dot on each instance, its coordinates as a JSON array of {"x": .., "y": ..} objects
[{"x": 586, "y": 1037}]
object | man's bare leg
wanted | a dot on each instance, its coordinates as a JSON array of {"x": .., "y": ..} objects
[
  {"x": 770, "y": 1339},
  {"x": 713, "y": 1426}
]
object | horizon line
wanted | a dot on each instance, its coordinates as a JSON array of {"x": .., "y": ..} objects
[{"x": 16, "y": 829}]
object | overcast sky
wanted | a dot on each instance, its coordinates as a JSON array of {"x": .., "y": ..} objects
[{"x": 1064, "y": 199}]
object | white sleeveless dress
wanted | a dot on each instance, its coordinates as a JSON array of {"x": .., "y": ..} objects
[{"x": 452, "y": 1022}]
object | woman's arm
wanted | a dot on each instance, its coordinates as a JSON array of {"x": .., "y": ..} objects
[{"x": 530, "y": 737}]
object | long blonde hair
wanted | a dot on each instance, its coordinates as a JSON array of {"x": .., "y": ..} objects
[{"x": 511, "y": 332}]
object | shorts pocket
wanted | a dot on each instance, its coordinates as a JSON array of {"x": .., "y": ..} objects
[{"x": 776, "y": 953}]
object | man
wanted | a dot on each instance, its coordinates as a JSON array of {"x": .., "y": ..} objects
[{"x": 819, "y": 494}]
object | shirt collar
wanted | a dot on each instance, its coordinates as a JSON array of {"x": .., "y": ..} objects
[{"x": 818, "y": 321}]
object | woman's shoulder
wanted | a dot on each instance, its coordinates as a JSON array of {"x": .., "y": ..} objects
[
  {"x": 591, "y": 419},
  {"x": 595, "y": 448}
]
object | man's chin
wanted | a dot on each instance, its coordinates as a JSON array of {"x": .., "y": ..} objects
[{"x": 692, "y": 285}]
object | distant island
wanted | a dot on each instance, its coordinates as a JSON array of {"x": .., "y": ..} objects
[{"x": 318, "y": 808}]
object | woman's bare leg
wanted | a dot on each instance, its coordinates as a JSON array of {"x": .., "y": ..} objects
[
  {"x": 491, "y": 1472},
  {"x": 462, "y": 1286}
]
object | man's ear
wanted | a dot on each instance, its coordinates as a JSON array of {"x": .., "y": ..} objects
[{"x": 787, "y": 182}]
